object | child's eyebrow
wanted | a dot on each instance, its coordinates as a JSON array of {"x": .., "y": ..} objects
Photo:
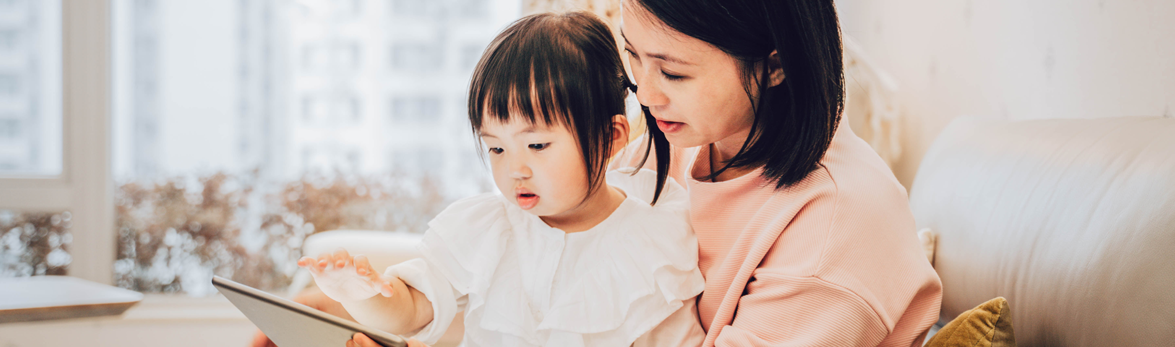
[{"x": 528, "y": 130}]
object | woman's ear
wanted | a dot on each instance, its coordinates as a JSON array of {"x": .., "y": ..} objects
[
  {"x": 620, "y": 129},
  {"x": 775, "y": 73}
]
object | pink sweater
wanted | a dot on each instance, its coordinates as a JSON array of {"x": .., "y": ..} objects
[{"x": 830, "y": 261}]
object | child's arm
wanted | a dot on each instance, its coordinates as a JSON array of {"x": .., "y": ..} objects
[{"x": 383, "y": 303}]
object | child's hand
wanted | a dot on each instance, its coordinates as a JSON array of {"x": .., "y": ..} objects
[{"x": 345, "y": 278}]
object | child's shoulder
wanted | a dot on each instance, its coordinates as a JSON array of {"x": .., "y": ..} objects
[{"x": 642, "y": 185}]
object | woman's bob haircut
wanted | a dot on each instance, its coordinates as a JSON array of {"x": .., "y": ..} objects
[{"x": 794, "y": 121}]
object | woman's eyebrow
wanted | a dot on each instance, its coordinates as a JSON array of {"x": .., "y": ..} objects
[{"x": 661, "y": 56}]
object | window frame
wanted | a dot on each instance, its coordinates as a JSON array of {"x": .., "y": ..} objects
[{"x": 85, "y": 186}]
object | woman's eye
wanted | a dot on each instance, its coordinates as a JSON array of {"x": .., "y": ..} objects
[
  {"x": 671, "y": 77},
  {"x": 539, "y": 146},
  {"x": 495, "y": 150}
]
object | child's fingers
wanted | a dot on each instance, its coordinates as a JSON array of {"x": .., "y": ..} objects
[
  {"x": 340, "y": 258},
  {"x": 385, "y": 289},
  {"x": 362, "y": 266},
  {"x": 322, "y": 263},
  {"x": 310, "y": 264}
]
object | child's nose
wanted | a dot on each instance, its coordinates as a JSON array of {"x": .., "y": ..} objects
[{"x": 519, "y": 170}]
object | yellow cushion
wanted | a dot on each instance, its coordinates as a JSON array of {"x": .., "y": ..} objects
[{"x": 986, "y": 325}]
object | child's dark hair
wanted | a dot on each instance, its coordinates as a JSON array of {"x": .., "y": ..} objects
[{"x": 554, "y": 69}]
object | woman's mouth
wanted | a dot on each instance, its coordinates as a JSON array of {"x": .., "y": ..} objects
[
  {"x": 526, "y": 199},
  {"x": 669, "y": 127}
]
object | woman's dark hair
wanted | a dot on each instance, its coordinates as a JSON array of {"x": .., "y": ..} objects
[
  {"x": 554, "y": 69},
  {"x": 795, "y": 120}
]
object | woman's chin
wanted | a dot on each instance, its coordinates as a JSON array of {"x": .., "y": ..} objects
[{"x": 682, "y": 139}]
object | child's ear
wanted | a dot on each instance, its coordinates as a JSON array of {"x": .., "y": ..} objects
[
  {"x": 774, "y": 69},
  {"x": 619, "y": 134}
]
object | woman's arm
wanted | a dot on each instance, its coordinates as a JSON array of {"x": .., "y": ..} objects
[{"x": 781, "y": 310}]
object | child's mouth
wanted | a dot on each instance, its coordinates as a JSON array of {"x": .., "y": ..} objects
[{"x": 527, "y": 200}]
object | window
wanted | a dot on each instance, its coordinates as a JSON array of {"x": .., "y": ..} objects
[
  {"x": 415, "y": 110},
  {"x": 470, "y": 55},
  {"x": 471, "y": 9},
  {"x": 417, "y": 57},
  {"x": 9, "y": 40},
  {"x": 240, "y": 128},
  {"x": 412, "y": 8},
  {"x": 30, "y": 89},
  {"x": 9, "y": 128},
  {"x": 9, "y": 84},
  {"x": 34, "y": 243},
  {"x": 43, "y": 197}
]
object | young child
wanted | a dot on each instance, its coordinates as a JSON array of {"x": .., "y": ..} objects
[{"x": 566, "y": 255}]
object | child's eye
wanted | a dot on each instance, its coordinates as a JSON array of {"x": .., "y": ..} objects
[
  {"x": 539, "y": 146},
  {"x": 495, "y": 150}
]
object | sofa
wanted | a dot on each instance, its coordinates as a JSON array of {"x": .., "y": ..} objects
[{"x": 1073, "y": 221}]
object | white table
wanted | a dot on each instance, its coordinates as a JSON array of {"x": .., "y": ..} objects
[{"x": 26, "y": 299}]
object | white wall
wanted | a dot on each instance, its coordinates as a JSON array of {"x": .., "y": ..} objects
[{"x": 1016, "y": 59}]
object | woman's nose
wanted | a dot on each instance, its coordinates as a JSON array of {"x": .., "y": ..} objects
[{"x": 648, "y": 90}]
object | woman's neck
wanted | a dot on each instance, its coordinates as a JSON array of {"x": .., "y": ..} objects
[
  {"x": 722, "y": 151},
  {"x": 591, "y": 212}
]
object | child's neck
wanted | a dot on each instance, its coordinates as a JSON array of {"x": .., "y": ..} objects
[{"x": 591, "y": 212}]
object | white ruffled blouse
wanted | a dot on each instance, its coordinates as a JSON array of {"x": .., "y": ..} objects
[{"x": 630, "y": 280}]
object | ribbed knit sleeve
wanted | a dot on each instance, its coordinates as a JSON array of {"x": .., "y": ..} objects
[{"x": 780, "y": 310}]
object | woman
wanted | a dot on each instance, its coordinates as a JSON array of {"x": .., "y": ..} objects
[{"x": 805, "y": 237}]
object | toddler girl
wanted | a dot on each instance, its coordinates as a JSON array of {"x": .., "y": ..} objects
[{"x": 566, "y": 255}]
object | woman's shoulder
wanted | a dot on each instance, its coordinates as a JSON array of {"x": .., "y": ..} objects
[
  {"x": 848, "y": 215},
  {"x": 863, "y": 225}
]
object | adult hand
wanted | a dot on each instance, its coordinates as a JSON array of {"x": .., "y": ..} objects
[
  {"x": 361, "y": 340},
  {"x": 314, "y": 298}
]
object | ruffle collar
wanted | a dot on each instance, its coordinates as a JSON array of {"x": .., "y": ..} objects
[{"x": 647, "y": 268}]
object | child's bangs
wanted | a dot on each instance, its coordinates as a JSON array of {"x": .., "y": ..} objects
[{"x": 520, "y": 79}]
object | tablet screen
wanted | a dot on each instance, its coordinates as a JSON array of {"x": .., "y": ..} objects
[{"x": 290, "y": 324}]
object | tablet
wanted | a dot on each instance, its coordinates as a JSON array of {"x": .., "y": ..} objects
[{"x": 290, "y": 324}]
